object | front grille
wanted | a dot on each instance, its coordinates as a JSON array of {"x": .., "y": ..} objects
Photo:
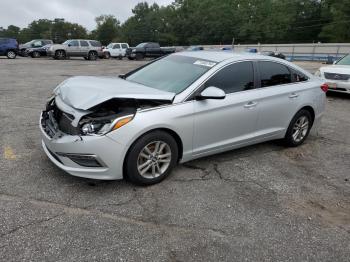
[
  {"x": 56, "y": 121},
  {"x": 334, "y": 76}
]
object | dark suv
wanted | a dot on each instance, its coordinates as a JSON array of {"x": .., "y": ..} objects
[
  {"x": 36, "y": 43},
  {"x": 8, "y": 47}
]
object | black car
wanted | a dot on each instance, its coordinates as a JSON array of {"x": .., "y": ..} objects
[
  {"x": 37, "y": 51},
  {"x": 148, "y": 49},
  {"x": 36, "y": 43},
  {"x": 274, "y": 54}
]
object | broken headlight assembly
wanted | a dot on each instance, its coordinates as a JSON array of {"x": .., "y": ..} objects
[{"x": 103, "y": 126}]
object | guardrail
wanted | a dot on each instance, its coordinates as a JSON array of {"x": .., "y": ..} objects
[{"x": 297, "y": 52}]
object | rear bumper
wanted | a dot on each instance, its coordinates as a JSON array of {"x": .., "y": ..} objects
[
  {"x": 338, "y": 86},
  {"x": 107, "y": 152}
]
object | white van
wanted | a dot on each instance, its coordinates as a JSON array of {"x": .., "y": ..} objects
[{"x": 116, "y": 50}]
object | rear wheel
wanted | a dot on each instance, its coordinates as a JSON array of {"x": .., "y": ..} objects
[
  {"x": 11, "y": 54},
  {"x": 151, "y": 158},
  {"x": 60, "y": 54},
  {"x": 299, "y": 128},
  {"x": 92, "y": 55}
]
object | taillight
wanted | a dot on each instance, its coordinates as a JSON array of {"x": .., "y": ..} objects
[{"x": 324, "y": 87}]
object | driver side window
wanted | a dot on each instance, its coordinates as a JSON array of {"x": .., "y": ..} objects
[
  {"x": 74, "y": 43},
  {"x": 234, "y": 78}
]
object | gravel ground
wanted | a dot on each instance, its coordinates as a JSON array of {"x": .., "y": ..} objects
[{"x": 261, "y": 203}]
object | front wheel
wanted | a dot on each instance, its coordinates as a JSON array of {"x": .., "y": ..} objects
[
  {"x": 35, "y": 54},
  {"x": 107, "y": 55},
  {"x": 299, "y": 128},
  {"x": 151, "y": 158},
  {"x": 60, "y": 54}
]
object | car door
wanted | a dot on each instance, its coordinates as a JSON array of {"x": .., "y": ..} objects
[
  {"x": 123, "y": 50},
  {"x": 2, "y": 46},
  {"x": 223, "y": 124},
  {"x": 279, "y": 97},
  {"x": 84, "y": 48},
  {"x": 73, "y": 48},
  {"x": 116, "y": 50}
]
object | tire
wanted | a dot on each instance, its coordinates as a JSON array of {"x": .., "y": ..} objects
[
  {"x": 85, "y": 58},
  {"x": 11, "y": 54},
  {"x": 299, "y": 128},
  {"x": 107, "y": 55},
  {"x": 130, "y": 58},
  {"x": 139, "y": 56},
  {"x": 35, "y": 54},
  {"x": 158, "y": 168},
  {"x": 92, "y": 55},
  {"x": 60, "y": 55}
]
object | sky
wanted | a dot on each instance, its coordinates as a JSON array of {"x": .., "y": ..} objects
[{"x": 21, "y": 12}]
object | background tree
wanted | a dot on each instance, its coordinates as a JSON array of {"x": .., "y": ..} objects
[{"x": 108, "y": 29}]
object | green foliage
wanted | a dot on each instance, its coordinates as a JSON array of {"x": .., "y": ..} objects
[
  {"x": 108, "y": 29},
  {"x": 191, "y": 22}
]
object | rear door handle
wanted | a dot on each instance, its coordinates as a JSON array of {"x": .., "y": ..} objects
[
  {"x": 250, "y": 104},
  {"x": 293, "y": 95}
]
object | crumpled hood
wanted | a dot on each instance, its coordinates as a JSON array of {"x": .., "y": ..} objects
[{"x": 85, "y": 92}]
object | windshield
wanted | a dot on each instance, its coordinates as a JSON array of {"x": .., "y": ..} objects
[
  {"x": 29, "y": 43},
  {"x": 110, "y": 46},
  {"x": 344, "y": 61},
  {"x": 66, "y": 42},
  {"x": 173, "y": 73},
  {"x": 141, "y": 45}
]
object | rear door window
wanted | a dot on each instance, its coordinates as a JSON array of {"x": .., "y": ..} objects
[
  {"x": 234, "y": 78},
  {"x": 84, "y": 43},
  {"x": 95, "y": 43},
  {"x": 272, "y": 74}
]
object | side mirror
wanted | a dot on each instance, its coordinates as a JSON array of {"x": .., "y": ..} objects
[
  {"x": 211, "y": 92},
  {"x": 123, "y": 76}
]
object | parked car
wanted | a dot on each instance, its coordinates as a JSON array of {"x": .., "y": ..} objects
[
  {"x": 8, "y": 47},
  {"x": 36, "y": 43},
  {"x": 337, "y": 76},
  {"x": 274, "y": 54},
  {"x": 195, "y": 48},
  {"x": 147, "y": 50},
  {"x": 89, "y": 49},
  {"x": 38, "y": 51},
  {"x": 115, "y": 50},
  {"x": 181, "y": 107}
]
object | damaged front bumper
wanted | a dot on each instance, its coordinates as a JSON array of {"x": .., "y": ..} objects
[{"x": 95, "y": 157}]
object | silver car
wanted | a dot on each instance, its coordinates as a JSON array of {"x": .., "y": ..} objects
[
  {"x": 89, "y": 49},
  {"x": 175, "y": 109}
]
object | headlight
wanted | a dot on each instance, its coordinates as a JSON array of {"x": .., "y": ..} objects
[
  {"x": 318, "y": 73},
  {"x": 102, "y": 128}
]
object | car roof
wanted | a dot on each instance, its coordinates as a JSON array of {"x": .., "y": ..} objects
[{"x": 219, "y": 56}]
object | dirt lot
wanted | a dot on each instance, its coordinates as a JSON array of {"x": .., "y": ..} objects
[{"x": 261, "y": 203}]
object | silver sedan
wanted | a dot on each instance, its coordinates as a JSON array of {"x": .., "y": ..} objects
[{"x": 184, "y": 106}]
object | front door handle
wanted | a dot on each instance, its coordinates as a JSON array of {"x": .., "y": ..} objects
[
  {"x": 293, "y": 95},
  {"x": 250, "y": 104}
]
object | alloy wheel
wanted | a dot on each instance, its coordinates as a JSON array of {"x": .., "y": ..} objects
[
  {"x": 154, "y": 159},
  {"x": 300, "y": 129},
  {"x": 11, "y": 54}
]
